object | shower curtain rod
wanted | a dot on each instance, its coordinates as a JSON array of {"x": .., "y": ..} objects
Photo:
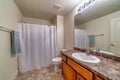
[
  {"x": 34, "y": 23},
  {"x": 5, "y": 29},
  {"x": 99, "y": 35}
]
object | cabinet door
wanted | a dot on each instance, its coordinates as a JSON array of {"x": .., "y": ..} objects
[
  {"x": 63, "y": 69},
  {"x": 79, "y": 77},
  {"x": 68, "y": 72}
]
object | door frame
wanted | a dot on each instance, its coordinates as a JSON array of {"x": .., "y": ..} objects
[{"x": 112, "y": 29}]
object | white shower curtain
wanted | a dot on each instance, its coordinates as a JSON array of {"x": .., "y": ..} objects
[
  {"x": 38, "y": 46},
  {"x": 80, "y": 38}
]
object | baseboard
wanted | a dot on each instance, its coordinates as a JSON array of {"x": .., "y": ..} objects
[{"x": 14, "y": 76}]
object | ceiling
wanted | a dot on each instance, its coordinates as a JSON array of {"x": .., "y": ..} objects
[
  {"x": 42, "y": 9},
  {"x": 98, "y": 9}
]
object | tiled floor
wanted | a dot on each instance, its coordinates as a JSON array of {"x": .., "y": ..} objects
[{"x": 40, "y": 74}]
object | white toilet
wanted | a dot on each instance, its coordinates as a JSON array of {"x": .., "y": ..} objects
[{"x": 56, "y": 61}]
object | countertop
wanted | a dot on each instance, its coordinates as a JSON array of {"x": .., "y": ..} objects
[{"x": 109, "y": 69}]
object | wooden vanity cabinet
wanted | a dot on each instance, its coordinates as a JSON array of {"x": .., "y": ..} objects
[
  {"x": 97, "y": 77},
  {"x": 86, "y": 74},
  {"x": 64, "y": 58},
  {"x": 73, "y": 71},
  {"x": 63, "y": 69},
  {"x": 67, "y": 72}
]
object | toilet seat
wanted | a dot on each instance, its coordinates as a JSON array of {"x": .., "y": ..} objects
[{"x": 57, "y": 59}]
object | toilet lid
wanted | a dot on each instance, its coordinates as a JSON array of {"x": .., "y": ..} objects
[
  {"x": 57, "y": 59},
  {"x": 64, "y": 50}
]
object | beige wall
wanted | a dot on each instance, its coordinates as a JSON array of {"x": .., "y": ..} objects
[
  {"x": 9, "y": 15},
  {"x": 69, "y": 29},
  {"x": 60, "y": 33},
  {"x": 101, "y": 26}
]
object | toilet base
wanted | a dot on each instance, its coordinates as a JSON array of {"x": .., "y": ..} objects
[
  {"x": 56, "y": 67},
  {"x": 56, "y": 62}
]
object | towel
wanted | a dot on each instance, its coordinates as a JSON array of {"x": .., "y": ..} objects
[
  {"x": 15, "y": 43},
  {"x": 91, "y": 40}
]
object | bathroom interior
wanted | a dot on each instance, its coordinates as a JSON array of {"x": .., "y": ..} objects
[{"x": 59, "y": 40}]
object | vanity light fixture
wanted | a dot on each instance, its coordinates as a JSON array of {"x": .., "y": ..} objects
[{"x": 84, "y": 5}]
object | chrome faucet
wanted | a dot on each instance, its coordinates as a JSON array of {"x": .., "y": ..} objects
[
  {"x": 87, "y": 52},
  {"x": 97, "y": 49}
]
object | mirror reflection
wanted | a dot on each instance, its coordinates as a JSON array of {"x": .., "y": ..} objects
[{"x": 98, "y": 27}]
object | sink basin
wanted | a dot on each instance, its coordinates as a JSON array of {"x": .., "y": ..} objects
[{"x": 86, "y": 58}]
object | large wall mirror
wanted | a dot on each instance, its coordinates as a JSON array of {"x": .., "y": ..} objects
[{"x": 98, "y": 27}]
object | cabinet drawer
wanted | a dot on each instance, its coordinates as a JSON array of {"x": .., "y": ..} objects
[
  {"x": 64, "y": 58},
  {"x": 84, "y": 72}
]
